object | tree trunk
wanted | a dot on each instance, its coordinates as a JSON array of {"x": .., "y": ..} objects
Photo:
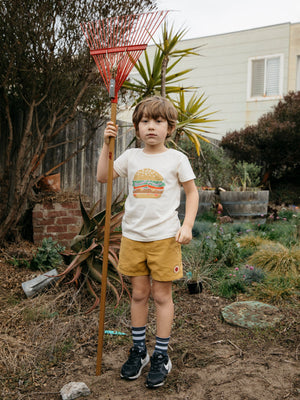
[{"x": 163, "y": 76}]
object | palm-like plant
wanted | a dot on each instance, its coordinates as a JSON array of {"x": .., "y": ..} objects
[
  {"x": 87, "y": 253},
  {"x": 191, "y": 118},
  {"x": 159, "y": 77}
]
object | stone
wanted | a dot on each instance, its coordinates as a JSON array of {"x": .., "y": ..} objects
[
  {"x": 73, "y": 390},
  {"x": 251, "y": 314}
]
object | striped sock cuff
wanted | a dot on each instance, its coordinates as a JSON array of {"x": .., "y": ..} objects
[
  {"x": 139, "y": 336},
  {"x": 161, "y": 345}
]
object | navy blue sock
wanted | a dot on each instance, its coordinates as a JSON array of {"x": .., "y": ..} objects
[
  {"x": 139, "y": 336},
  {"x": 161, "y": 345}
]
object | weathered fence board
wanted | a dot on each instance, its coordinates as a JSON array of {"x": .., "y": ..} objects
[{"x": 79, "y": 173}]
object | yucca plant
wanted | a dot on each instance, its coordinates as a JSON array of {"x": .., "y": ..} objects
[
  {"x": 277, "y": 258},
  {"x": 158, "y": 77},
  {"x": 87, "y": 253},
  {"x": 192, "y": 118}
]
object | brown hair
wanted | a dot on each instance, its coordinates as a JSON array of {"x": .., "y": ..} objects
[{"x": 155, "y": 107}]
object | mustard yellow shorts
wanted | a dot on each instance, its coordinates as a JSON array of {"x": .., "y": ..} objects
[{"x": 161, "y": 259}]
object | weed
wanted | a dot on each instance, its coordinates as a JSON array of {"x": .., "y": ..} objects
[
  {"x": 38, "y": 314},
  {"x": 19, "y": 262}
]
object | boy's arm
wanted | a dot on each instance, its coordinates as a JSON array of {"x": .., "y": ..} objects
[
  {"x": 184, "y": 235},
  {"x": 102, "y": 167}
]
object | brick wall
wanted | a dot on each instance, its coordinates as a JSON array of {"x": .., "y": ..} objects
[{"x": 59, "y": 220}]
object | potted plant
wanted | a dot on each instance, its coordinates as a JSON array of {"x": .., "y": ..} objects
[
  {"x": 192, "y": 272},
  {"x": 245, "y": 199},
  {"x": 194, "y": 284}
]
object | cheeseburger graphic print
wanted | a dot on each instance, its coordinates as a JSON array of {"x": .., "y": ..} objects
[{"x": 147, "y": 183}]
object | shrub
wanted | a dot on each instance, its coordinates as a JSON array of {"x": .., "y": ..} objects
[
  {"x": 276, "y": 289},
  {"x": 252, "y": 274},
  {"x": 273, "y": 141},
  {"x": 213, "y": 167},
  {"x": 47, "y": 256},
  {"x": 224, "y": 247},
  {"x": 278, "y": 259},
  {"x": 252, "y": 241},
  {"x": 201, "y": 227},
  {"x": 237, "y": 281}
]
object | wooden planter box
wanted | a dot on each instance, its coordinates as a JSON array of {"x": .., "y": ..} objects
[
  {"x": 206, "y": 201},
  {"x": 245, "y": 205}
]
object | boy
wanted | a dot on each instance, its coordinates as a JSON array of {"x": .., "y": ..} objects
[{"x": 150, "y": 251}]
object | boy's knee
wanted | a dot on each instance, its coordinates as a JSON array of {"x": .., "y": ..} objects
[
  {"x": 161, "y": 297},
  {"x": 139, "y": 295}
]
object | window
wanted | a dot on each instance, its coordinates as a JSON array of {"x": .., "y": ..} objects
[{"x": 265, "y": 77}]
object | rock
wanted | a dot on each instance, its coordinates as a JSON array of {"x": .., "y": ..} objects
[
  {"x": 251, "y": 314},
  {"x": 73, "y": 390}
]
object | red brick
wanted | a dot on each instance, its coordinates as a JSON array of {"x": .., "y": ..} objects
[
  {"x": 66, "y": 220},
  {"x": 54, "y": 214},
  {"x": 74, "y": 228},
  {"x": 38, "y": 228},
  {"x": 66, "y": 236},
  {"x": 48, "y": 206},
  {"x": 56, "y": 228},
  {"x": 76, "y": 213},
  {"x": 37, "y": 214},
  {"x": 70, "y": 205}
]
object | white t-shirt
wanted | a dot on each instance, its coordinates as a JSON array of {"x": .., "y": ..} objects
[{"x": 153, "y": 192}]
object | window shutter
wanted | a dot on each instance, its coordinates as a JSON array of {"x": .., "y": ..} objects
[
  {"x": 258, "y": 73},
  {"x": 272, "y": 76}
]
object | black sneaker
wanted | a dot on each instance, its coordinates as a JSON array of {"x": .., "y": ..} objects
[
  {"x": 137, "y": 360},
  {"x": 160, "y": 367}
]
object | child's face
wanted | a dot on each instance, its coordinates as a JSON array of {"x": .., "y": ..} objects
[{"x": 153, "y": 132}]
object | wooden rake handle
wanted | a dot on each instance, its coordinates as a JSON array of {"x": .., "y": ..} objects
[{"x": 106, "y": 241}]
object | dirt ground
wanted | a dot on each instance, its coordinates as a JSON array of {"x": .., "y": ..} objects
[{"x": 49, "y": 341}]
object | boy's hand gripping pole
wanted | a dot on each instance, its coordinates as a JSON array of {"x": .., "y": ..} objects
[{"x": 111, "y": 152}]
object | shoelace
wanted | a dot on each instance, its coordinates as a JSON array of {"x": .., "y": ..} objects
[
  {"x": 156, "y": 362},
  {"x": 133, "y": 355}
]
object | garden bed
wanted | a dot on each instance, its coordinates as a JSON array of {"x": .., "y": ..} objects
[{"x": 49, "y": 341}]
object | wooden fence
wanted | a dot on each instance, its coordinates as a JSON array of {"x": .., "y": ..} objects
[{"x": 78, "y": 174}]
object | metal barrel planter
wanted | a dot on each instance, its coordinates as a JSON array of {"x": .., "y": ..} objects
[
  {"x": 206, "y": 201},
  {"x": 245, "y": 205}
]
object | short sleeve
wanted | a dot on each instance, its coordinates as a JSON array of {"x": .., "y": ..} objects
[
  {"x": 185, "y": 171},
  {"x": 121, "y": 164}
]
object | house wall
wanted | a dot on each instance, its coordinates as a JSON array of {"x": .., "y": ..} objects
[
  {"x": 294, "y": 57},
  {"x": 222, "y": 71}
]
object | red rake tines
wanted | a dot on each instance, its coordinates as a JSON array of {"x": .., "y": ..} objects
[{"x": 117, "y": 43}]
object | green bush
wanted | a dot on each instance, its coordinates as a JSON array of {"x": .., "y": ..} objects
[
  {"x": 273, "y": 141},
  {"x": 47, "y": 256},
  {"x": 229, "y": 288}
]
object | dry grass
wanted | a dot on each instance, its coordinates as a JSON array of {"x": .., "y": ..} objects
[
  {"x": 253, "y": 242},
  {"x": 49, "y": 326},
  {"x": 275, "y": 257}
]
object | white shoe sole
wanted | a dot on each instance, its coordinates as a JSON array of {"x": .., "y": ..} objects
[
  {"x": 169, "y": 368},
  {"x": 144, "y": 363}
]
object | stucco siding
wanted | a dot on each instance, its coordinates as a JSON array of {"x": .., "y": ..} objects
[{"x": 222, "y": 71}]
